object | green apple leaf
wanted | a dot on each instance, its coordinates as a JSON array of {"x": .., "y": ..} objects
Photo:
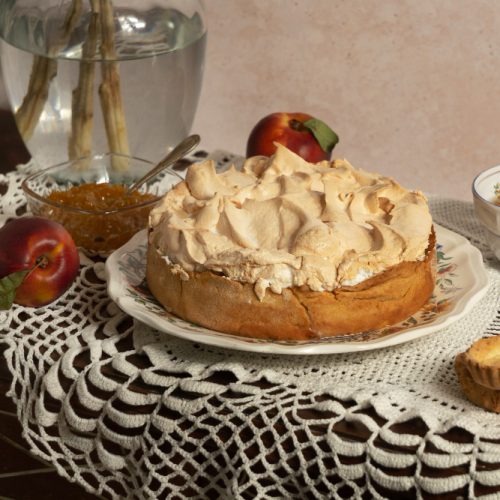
[
  {"x": 8, "y": 287},
  {"x": 325, "y": 136}
]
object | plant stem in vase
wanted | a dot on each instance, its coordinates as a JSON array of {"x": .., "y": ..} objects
[
  {"x": 82, "y": 103},
  {"x": 43, "y": 71},
  {"x": 110, "y": 92}
]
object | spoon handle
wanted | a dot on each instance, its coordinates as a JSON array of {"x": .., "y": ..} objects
[{"x": 181, "y": 150}]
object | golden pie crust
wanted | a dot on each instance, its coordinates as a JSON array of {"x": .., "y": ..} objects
[
  {"x": 478, "y": 371},
  {"x": 229, "y": 306}
]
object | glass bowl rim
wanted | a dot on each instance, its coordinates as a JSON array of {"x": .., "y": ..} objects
[{"x": 29, "y": 192}]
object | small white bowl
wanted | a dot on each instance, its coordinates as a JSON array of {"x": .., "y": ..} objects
[{"x": 487, "y": 211}]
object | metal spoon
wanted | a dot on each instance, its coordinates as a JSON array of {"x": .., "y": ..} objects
[{"x": 181, "y": 150}]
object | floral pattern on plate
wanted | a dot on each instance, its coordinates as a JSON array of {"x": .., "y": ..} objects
[{"x": 460, "y": 281}]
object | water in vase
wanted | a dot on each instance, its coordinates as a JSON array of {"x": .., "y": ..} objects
[{"x": 56, "y": 88}]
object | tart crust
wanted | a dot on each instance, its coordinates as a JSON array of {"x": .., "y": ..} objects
[
  {"x": 229, "y": 306},
  {"x": 482, "y": 359},
  {"x": 480, "y": 395},
  {"x": 478, "y": 371}
]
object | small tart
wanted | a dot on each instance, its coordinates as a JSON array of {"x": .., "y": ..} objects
[
  {"x": 479, "y": 394},
  {"x": 482, "y": 361}
]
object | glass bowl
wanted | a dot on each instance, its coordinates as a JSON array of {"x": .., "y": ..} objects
[
  {"x": 97, "y": 230},
  {"x": 486, "y": 194}
]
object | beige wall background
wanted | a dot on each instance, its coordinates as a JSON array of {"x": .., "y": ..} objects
[{"x": 411, "y": 87}]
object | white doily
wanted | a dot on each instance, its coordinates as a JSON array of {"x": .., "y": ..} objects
[{"x": 128, "y": 412}]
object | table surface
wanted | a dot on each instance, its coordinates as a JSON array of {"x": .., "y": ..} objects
[{"x": 43, "y": 477}]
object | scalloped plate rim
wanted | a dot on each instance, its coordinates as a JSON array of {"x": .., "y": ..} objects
[{"x": 473, "y": 263}]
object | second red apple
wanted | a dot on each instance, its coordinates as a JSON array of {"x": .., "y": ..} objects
[
  {"x": 303, "y": 134},
  {"x": 38, "y": 261}
]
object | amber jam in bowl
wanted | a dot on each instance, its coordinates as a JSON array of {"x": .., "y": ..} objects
[{"x": 88, "y": 196}]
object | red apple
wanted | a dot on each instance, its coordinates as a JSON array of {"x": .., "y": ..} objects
[
  {"x": 39, "y": 257},
  {"x": 309, "y": 137}
]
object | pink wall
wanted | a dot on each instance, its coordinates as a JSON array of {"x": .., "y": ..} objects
[{"x": 411, "y": 87}]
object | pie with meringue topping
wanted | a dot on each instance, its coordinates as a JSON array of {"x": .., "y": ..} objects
[{"x": 289, "y": 250}]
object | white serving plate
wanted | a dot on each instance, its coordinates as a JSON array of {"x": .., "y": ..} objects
[{"x": 461, "y": 281}]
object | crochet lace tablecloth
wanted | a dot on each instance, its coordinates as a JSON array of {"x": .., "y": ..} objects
[{"x": 128, "y": 412}]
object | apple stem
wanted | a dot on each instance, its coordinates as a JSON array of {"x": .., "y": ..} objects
[
  {"x": 41, "y": 261},
  {"x": 296, "y": 125}
]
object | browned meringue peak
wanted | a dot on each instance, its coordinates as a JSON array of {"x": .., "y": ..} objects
[{"x": 283, "y": 222}]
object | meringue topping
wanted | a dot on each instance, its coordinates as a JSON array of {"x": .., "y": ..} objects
[{"x": 282, "y": 222}]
